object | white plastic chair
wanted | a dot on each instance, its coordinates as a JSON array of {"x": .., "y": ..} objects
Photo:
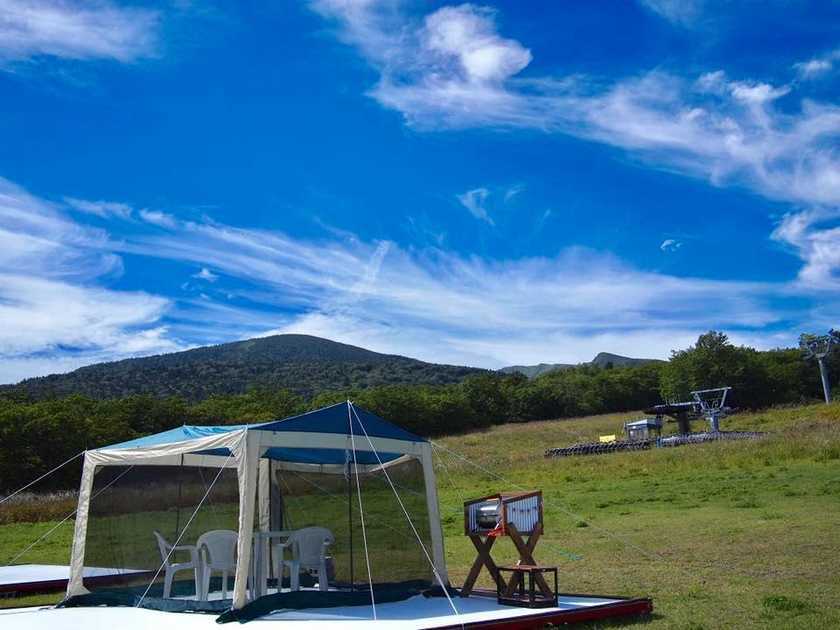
[
  {"x": 309, "y": 552},
  {"x": 167, "y": 552},
  {"x": 217, "y": 551}
]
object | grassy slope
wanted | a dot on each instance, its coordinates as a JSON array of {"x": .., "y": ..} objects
[{"x": 740, "y": 534}]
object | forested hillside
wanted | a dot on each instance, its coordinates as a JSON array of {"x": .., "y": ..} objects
[
  {"x": 36, "y": 435},
  {"x": 301, "y": 363}
]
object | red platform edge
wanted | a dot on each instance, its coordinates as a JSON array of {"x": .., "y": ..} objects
[{"x": 625, "y": 607}]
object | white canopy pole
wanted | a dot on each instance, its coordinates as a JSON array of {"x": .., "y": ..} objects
[
  {"x": 263, "y": 494},
  {"x": 247, "y": 463},
  {"x": 433, "y": 508},
  {"x": 264, "y": 524},
  {"x": 77, "y": 556}
]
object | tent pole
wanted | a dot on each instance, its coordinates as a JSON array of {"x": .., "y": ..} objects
[
  {"x": 178, "y": 506},
  {"x": 350, "y": 520},
  {"x": 247, "y": 453},
  {"x": 75, "y": 585},
  {"x": 433, "y": 509}
]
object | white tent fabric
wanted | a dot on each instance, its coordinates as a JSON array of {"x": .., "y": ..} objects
[{"x": 248, "y": 449}]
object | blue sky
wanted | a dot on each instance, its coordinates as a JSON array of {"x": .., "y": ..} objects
[{"x": 480, "y": 184}]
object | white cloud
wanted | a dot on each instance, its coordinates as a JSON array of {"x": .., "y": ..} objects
[
  {"x": 815, "y": 236},
  {"x": 683, "y": 12},
  {"x": 818, "y": 66},
  {"x": 439, "y": 306},
  {"x": 158, "y": 218},
  {"x": 467, "y": 36},
  {"x": 670, "y": 245},
  {"x": 36, "y": 237},
  {"x": 50, "y": 305},
  {"x": 727, "y": 131},
  {"x": 474, "y": 200},
  {"x": 513, "y": 191},
  {"x": 39, "y": 314},
  {"x": 102, "y": 209},
  {"x": 433, "y": 304},
  {"x": 206, "y": 274},
  {"x": 74, "y": 29}
]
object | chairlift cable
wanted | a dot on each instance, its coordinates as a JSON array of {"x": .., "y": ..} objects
[
  {"x": 408, "y": 518},
  {"x": 46, "y": 474},
  {"x": 650, "y": 555},
  {"x": 361, "y": 511},
  {"x": 570, "y": 555},
  {"x": 450, "y": 478}
]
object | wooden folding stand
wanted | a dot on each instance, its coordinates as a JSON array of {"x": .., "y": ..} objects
[{"x": 513, "y": 515}]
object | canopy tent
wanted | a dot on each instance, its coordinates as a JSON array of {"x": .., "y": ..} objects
[{"x": 329, "y": 441}]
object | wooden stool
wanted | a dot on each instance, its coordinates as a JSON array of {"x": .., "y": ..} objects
[{"x": 538, "y": 594}]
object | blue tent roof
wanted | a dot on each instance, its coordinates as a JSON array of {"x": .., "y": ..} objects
[
  {"x": 178, "y": 434},
  {"x": 334, "y": 419}
]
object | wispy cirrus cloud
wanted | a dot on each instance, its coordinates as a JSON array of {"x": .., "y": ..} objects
[
  {"x": 475, "y": 201},
  {"x": 206, "y": 274},
  {"x": 158, "y": 218},
  {"x": 815, "y": 236},
  {"x": 102, "y": 209},
  {"x": 76, "y": 29},
  {"x": 428, "y": 303},
  {"x": 681, "y": 12},
  {"x": 53, "y": 306},
  {"x": 670, "y": 245},
  {"x": 451, "y": 69},
  {"x": 728, "y": 131},
  {"x": 442, "y": 307},
  {"x": 817, "y": 66}
]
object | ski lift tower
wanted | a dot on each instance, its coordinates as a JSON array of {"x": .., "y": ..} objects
[
  {"x": 818, "y": 347},
  {"x": 712, "y": 404}
]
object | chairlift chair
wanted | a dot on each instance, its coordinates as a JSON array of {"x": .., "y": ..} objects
[
  {"x": 167, "y": 551},
  {"x": 309, "y": 552}
]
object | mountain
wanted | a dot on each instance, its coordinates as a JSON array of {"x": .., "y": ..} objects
[
  {"x": 532, "y": 371},
  {"x": 602, "y": 359},
  {"x": 301, "y": 363}
]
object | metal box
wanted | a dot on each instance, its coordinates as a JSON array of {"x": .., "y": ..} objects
[{"x": 491, "y": 515}]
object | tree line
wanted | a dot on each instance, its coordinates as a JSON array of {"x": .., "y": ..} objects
[{"x": 37, "y": 435}]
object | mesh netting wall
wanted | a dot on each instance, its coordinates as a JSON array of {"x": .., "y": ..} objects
[
  {"x": 129, "y": 504},
  {"x": 332, "y": 501}
]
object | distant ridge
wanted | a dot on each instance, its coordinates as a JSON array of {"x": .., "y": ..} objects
[
  {"x": 602, "y": 359},
  {"x": 301, "y": 363},
  {"x": 532, "y": 371}
]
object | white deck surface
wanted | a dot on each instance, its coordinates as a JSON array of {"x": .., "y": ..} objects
[
  {"x": 412, "y": 614},
  {"x": 26, "y": 573}
]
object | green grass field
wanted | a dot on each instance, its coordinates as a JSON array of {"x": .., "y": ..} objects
[{"x": 724, "y": 535}]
